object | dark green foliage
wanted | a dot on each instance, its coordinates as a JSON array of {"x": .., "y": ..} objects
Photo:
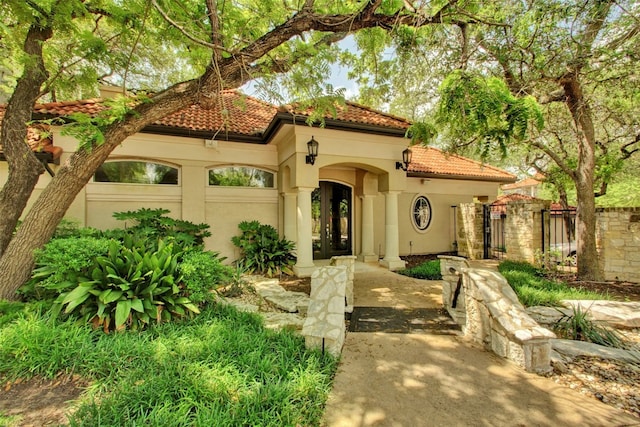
[
  {"x": 154, "y": 223},
  {"x": 533, "y": 288},
  {"x": 429, "y": 270},
  {"x": 202, "y": 272},
  {"x": 69, "y": 228},
  {"x": 262, "y": 249},
  {"x": 154, "y": 271},
  {"x": 221, "y": 369},
  {"x": 578, "y": 326},
  {"x": 59, "y": 264},
  {"x": 129, "y": 286}
]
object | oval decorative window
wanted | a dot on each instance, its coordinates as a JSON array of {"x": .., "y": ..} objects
[{"x": 421, "y": 213}]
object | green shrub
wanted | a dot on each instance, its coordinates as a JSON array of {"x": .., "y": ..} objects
[
  {"x": 262, "y": 249},
  {"x": 429, "y": 270},
  {"x": 533, "y": 288},
  {"x": 129, "y": 286},
  {"x": 70, "y": 228},
  {"x": 202, "y": 272},
  {"x": 154, "y": 224},
  {"x": 59, "y": 264}
]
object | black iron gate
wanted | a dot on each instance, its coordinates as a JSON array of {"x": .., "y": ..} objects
[
  {"x": 559, "y": 235},
  {"x": 494, "y": 219}
]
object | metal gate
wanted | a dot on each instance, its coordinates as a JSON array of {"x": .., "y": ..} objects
[
  {"x": 559, "y": 235},
  {"x": 494, "y": 220}
]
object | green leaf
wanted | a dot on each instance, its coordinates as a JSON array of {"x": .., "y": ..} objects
[
  {"x": 136, "y": 304},
  {"x": 123, "y": 309},
  {"x": 76, "y": 297}
]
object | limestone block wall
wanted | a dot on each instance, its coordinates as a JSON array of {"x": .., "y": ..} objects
[
  {"x": 496, "y": 319},
  {"x": 618, "y": 242},
  {"x": 469, "y": 233},
  {"x": 324, "y": 327},
  {"x": 451, "y": 269},
  {"x": 523, "y": 229}
]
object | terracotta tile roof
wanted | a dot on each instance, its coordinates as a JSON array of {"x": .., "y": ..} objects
[
  {"x": 240, "y": 114},
  {"x": 37, "y": 138},
  {"x": 528, "y": 182},
  {"x": 353, "y": 113},
  {"x": 429, "y": 161},
  {"x": 513, "y": 197}
]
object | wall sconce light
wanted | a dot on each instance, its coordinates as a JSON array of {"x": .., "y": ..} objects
[
  {"x": 406, "y": 159},
  {"x": 312, "y": 149}
]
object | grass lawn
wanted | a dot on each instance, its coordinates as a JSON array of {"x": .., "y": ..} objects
[
  {"x": 222, "y": 368},
  {"x": 429, "y": 270},
  {"x": 533, "y": 288}
]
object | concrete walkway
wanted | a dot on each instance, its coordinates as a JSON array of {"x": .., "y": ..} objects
[{"x": 434, "y": 380}]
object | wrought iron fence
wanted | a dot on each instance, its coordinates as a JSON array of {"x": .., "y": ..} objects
[{"x": 559, "y": 235}]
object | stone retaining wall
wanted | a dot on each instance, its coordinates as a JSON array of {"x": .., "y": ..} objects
[
  {"x": 451, "y": 269},
  {"x": 493, "y": 316},
  {"x": 618, "y": 242}
]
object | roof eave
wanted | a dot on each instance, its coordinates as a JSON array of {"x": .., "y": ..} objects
[
  {"x": 204, "y": 134},
  {"x": 283, "y": 118},
  {"x": 460, "y": 177}
]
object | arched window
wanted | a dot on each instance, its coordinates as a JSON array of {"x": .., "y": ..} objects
[
  {"x": 136, "y": 172},
  {"x": 240, "y": 176}
]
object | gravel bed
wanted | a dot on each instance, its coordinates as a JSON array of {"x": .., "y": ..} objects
[{"x": 612, "y": 382}]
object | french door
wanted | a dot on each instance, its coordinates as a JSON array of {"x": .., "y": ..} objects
[{"x": 331, "y": 212}]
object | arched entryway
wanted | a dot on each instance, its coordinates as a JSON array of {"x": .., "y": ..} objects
[{"x": 331, "y": 208}]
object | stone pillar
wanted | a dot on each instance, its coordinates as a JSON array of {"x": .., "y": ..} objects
[
  {"x": 348, "y": 261},
  {"x": 391, "y": 259},
  {"x": 289, "y": 217},
  {"x": 324, "y": 327},
  {"x": 523, "y": 230},
  {"x": 367, "y": 254},
  {"x": 470, "y": 230},
  {"x": 304, "y": 246},
  {"x": 618, "y": 243}
]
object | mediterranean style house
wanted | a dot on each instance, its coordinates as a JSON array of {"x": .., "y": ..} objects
[{"x": 349, "y": 187}]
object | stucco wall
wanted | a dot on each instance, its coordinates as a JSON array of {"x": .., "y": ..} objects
[
  {"x": 364, "y": 162},
  {"x": 442, "y": 194}
]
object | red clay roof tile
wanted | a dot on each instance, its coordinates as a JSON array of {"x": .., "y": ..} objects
[
  {"x": 430, "y": 161},
  {"x": 245, "y": 115},
  {"x": 354, "y": 113}
]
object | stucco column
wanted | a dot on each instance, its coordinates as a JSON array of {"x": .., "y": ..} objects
[
  {"x": 304, "y": 246},
  {"x": 193, "y": 194},
  {"x": 367, "y": 253},
  {"x": 289, "y": 216},
  {"x": 392, "y": 248}
]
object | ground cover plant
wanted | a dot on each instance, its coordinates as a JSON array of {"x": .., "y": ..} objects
[
  {"x": 429, "y": 270},
  {"x": 222, "y": 368},
  {"x": 533, "y": 288}
]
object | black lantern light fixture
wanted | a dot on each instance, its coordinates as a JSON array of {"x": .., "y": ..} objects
[
  {"x": 406, "y": 159},
  {"x": 312, "y": 149}
]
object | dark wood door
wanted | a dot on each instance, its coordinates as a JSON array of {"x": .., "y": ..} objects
[{"x": 331, "y": 209}]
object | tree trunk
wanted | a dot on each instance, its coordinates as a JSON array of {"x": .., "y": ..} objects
[
  {"x": 588, "y": 268},
  {"x": 40, "y": 222},
  {"x": 24, "y": 168}
]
